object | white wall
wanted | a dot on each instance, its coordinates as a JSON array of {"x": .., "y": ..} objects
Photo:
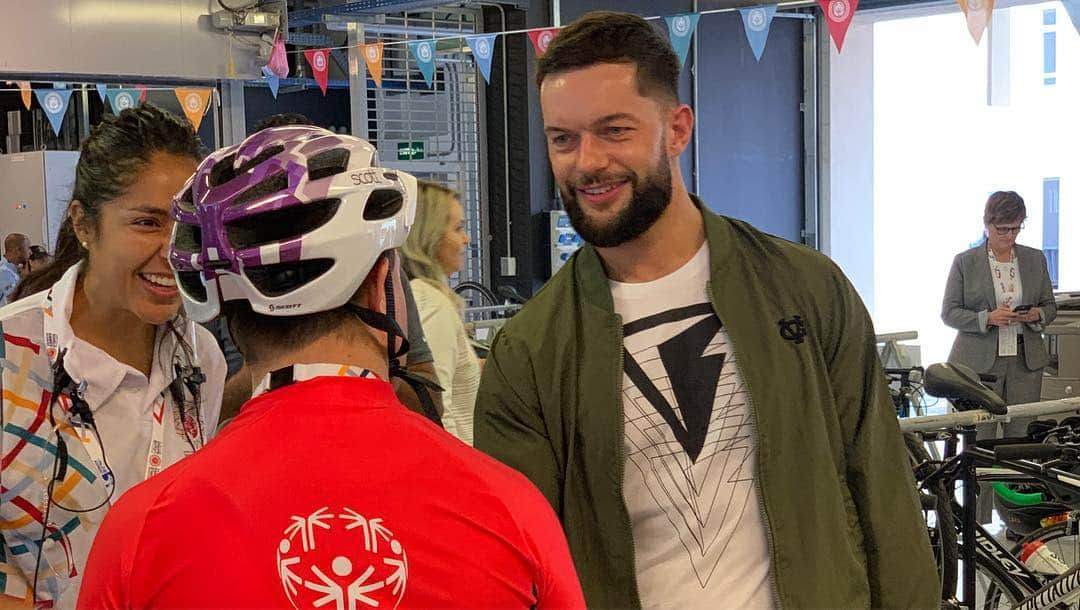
[
  {"x": 851, "y": 166},
  {"x": 938, "y": 149},
  {"x": 160, "y": 38}
]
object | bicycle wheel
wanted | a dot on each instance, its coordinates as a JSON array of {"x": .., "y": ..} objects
[
  {"x": 1059, "y": 538},
  {"x": 994, "y": 589},
  {"x": 943, "y": 536}
]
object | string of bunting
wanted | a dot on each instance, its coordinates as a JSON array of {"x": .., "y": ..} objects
[
  {"x": 757, "y": 21},
  {"x": 194, "y": 101}
]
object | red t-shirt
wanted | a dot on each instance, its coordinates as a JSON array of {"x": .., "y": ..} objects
[{"x": 329, "y": 494}]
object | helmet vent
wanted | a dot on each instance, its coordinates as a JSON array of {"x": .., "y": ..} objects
[
  {"x": 223, "y": 171},
  {"x": 188, "y": 237},
  {"x": 273, "y": 184},
  {"x": 382, "y": 204},
  {"x": 192, "y": 285},
  {"x": 328, "y": 163},
  {"x": 281, "y": 225},
  {"x": 259, "y": 158},
  {"x": 282, "y": 278}
]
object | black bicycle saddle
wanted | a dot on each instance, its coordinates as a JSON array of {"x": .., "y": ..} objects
[{"x": 961, "y": 386}]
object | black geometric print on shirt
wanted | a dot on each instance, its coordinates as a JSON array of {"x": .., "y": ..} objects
[
  {"x": 693, "y": 381},
  {"x": 703, "y": 496}
]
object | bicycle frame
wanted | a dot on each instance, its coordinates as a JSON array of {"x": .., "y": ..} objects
[
  {"x": 962, "y": 468},
  {"x": 1063, "y": 589}
]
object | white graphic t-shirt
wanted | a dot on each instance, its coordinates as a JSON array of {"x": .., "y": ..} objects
[{"x": 690, "y": 479}]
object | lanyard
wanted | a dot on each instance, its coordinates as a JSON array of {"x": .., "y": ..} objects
[
  {"x": 91, "y": 443},
  {"x": 154, "y": 459}
]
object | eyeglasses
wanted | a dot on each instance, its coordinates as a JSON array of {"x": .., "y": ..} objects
[{"x": 1003, "y": 231}]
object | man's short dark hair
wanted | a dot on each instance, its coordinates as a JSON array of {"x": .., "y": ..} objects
[
  {"x": 260, "y": 337},
  {"x": 606, "y": 37},
  {"x": 282, "y": 120}
]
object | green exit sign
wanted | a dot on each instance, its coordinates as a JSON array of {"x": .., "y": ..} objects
[{"x": 408, "y": 151}]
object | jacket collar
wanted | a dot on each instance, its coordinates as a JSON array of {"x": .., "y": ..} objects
[{"x": 593, "y": 280}]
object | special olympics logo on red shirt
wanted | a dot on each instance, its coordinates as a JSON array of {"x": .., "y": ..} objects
[{"x": 343, "y": 561}]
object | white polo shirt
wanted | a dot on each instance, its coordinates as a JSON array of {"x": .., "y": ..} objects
[{"x": 123, "y": 401}]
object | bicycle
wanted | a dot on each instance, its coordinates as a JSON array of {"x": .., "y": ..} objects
[
  {"x": 908, "y": 395},
  {"x": 1011, "y": 581}
]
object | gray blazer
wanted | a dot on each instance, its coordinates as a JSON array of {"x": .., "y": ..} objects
[{"x": 969, "y": 299}]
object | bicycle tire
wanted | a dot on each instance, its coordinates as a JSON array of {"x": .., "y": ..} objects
[
  {"x": 1052, "y": 536},
  {"x": 947, "y": 552},
  {"x": 1001, "y": 591}
]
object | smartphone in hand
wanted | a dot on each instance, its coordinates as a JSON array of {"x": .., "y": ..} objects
[{"x": 1022, "y": 308}]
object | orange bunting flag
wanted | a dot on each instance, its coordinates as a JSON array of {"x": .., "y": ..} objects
[
  {"x": 27, "y": 94},
  {"x": 194, "y": 102},
  {"x": 373, "y": 54},
  {"x": 978, "y": 13}
]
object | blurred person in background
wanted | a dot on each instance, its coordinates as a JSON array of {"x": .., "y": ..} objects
[
  {"x": 999, "y": 298},
  {"x": 434, "y": 251},
  {"x": 13, "y": 264},
  {"x": 39, "y": 258}
]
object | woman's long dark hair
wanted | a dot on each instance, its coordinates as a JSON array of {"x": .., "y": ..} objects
[{"x": 110, "y": 160}]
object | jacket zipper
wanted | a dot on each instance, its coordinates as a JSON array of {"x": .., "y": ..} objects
[
  {"x": 621, "y": 462},
  {"x": 774, "y": 590}
]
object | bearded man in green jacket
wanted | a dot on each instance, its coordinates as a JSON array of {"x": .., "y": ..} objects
[{"x": 700, "y": 402}]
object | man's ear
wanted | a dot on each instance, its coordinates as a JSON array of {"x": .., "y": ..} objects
[
  {"x": 681, "y": 129},
  {"x": 373, "y": 291}
]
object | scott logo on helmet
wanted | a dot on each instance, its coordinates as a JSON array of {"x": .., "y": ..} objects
[
  {"x": 283, "y": 307},
  {"x": 367, "y": 176}
]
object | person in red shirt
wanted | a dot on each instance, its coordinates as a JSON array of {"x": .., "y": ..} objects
[{"x": 325, "y": 491}]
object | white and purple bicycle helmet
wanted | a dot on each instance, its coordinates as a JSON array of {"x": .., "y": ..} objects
[{"x": 291, "y": 220}]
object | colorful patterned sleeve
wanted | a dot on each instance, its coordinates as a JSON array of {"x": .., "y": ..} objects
[{"x": 13, "y": 584}]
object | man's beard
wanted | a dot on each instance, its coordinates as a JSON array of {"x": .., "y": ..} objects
[{"x": 649, "y": 198}]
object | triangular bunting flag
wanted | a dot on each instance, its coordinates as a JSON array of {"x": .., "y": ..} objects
[
  {"x": 55, "y": 104},
  {"x": 541, "y": 39},
  {"x": 318, "y": 59},
  {"x": 1072, "y": 7},
  {"x": 483, "y": 49},
  {"x": 373, "y": 54},
  {"x": 424, "y": 52},
  {"x": 101, "y": 89},
  {"x": 272, "y": 80},
  {"x": 756, "y": 22},
  {"x": 838, "y": 14},
  {"x": 24, "y": 90},
  {"x": 194, "y": 101},
  {"x": 681, "y": 31},
  {"x": 978, "y": 14},
  {"x": 279, "y": 62},
  {"x": 122, "y": 99}
]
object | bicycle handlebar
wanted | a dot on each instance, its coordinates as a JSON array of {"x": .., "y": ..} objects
[{"x": 1027, "y": 451}]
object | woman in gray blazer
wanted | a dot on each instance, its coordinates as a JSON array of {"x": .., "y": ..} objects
[{"x": 987, "y": 297}]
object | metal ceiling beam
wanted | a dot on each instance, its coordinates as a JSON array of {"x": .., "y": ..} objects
[{"x": 358, "y": 8}]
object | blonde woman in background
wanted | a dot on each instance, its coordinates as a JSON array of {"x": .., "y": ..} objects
[{"x": 435, "y": 250}]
